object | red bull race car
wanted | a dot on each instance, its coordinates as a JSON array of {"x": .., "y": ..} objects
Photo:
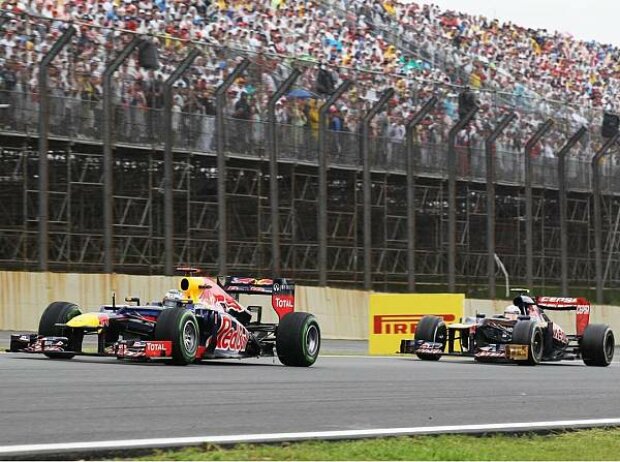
[
  {"x": 523, "y": 334},
  {"x": 202, "y": 319}
]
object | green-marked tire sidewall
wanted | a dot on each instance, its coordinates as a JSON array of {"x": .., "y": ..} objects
[
  {"x": 170, "y": 327},
  {"x": 189, "y": 356},
  {"x": 292, "y": 339}
]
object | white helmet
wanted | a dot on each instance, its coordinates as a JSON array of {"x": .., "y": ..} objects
[
  {"x": 171, "y": 297},
  {"x": 512, "y": 312}
]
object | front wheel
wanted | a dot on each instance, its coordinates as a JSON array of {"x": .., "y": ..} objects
[
  {"x": 298, "y": 339},
  {"x": 431, "y": 329},
  {"x": 61, "y": 313},
  {"x": 597, "y": 345},
  {"x": 527, "y": 332},
  {"x": 179, "y": 326}
]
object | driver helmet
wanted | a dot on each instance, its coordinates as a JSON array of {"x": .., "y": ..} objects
[
  {"x": 512, "y": 312},
  {"x": 172, "y": 297}
]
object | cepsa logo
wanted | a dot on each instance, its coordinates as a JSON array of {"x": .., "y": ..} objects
[
  {"x": 231, "y": 336},
  {"x": 390, "y": 324}
]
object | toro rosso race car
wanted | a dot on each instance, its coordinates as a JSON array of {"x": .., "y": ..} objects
[
  {"x": 524, "y": 334},
  {"x": 202, "y": 319}
]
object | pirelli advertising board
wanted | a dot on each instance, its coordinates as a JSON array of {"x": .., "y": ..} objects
[{"x": 394, "y": 317}]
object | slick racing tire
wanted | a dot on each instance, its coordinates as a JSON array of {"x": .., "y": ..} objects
[
  {"x": 61, "y": 313},
  {"x": 527, "y": 332},
  {"x": 597, "y": 345},
  {"x": 431, "y": 329},
  {"x": 298, "y": 339},
  {"x": 179, "y": 326}
]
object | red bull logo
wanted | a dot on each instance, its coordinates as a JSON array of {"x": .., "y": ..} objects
[{"x": 231, "y": 336}]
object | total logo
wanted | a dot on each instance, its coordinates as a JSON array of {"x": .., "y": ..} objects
[
  {"x": 155, "y": 347},
  {"x": 390, "y": 324},
  {"x": 284, "y": 303}
]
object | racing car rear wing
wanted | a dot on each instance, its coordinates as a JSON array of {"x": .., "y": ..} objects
[
  {"x": 580, "y": 305},
  {"x": 282, "y": 291}
]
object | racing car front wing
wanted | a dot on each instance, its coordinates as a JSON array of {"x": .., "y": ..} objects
[
  {"x": 512, "y": 352},
  {"x": 123, "y": 349}
]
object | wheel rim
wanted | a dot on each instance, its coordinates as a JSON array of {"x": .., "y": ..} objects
[
  {"x": 312, "y": 340},
  {"x": 537, "y": 345},
  {"x": 190, "y": 337}
]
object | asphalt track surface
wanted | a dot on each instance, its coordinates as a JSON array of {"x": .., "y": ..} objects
[{"x": 86, "y": 399}]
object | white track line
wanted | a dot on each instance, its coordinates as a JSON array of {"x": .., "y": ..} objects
[{"x": 28, "y": 449}]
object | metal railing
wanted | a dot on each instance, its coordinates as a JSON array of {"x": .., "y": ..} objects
[{"x": 79, "y": 119}]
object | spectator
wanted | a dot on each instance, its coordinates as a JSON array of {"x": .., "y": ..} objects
[
  {"x": 324, "y": 82},
  {"x": 242, "y": 116}
]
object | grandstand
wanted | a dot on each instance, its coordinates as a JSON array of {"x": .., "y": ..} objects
[{"x": 247, "y": 190}]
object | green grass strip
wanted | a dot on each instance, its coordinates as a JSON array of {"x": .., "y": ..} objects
[{"x": 597, "y": 444}]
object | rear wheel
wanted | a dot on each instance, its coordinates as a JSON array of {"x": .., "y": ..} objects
[
  {"x": 61, "y": 313},
  {"x": 431, "y": 329},
  {"x": 179, "y": 326},
  {"x": 298, "y": 339},
  {"x": 527, "y": 332},
  {"x": 597, "y": 345}
]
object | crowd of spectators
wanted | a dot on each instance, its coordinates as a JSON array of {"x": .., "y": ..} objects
[{"x": 418, "y": 50}]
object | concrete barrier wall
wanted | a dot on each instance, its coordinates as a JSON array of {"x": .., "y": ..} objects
[
  {"x": 24, "y": 296},
  {"x": 341, "y": 313}
]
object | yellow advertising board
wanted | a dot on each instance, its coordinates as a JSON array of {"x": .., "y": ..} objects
[{"x": 394, "y": 317}]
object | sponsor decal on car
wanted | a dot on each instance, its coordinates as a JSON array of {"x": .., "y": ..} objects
[
  {"x": 490, "y": 354},
  {"x": 283, "y": 297},
  {"x": 583, "y": 309},
  {"x": 231, "y": 336},
  {"x": 557, "y": 300},
  {"x": 158, "y": 348},
  {"x": 559, "y": 334},
  {"x": 517, "y": 352}
]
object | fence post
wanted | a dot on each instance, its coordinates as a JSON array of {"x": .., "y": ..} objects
[
  {"x": 108, "y": 161},
  {"x": 168, "y": 165},
  {"x": 274, "y": 196},
  {"x": 220, "y": 103},
  {"x": 563, "y": 204},
  {"x": 489, "y": 148},
  {"x": 367, "y": 196},
  {"x": 43, "y": 238},
  {"x": 323, "y": 162},
  {"x": 598, "y": 220},
  {"x": 452, "y": 195},
  {"x": 411, "y": 171},
  {"x": 529, "y": 207}
]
